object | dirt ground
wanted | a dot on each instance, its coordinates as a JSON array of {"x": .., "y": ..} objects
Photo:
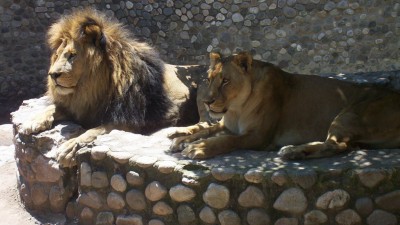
[{"x": 11, "y": 209}]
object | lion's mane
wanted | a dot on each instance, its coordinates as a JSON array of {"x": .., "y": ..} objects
[{"x": 123, "y": 78}]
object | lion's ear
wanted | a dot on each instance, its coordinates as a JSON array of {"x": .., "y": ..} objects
[
  {"x": 215, "y": 57},
  {"x": 93, "y": 33},
  {"x": 243, "y": 60}
]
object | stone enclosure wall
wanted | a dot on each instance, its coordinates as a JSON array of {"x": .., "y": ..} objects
[
  {"x": 306, "y": 36},
  {"x": 130, "y": 179}
]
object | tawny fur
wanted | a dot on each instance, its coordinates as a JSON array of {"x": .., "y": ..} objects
[
  {"x": 118, "y": 74},
  {"x": 104, "y": 79},
  {"x": 264, "y": 107}
]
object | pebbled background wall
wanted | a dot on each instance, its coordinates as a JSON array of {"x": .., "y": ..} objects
[{"x": 305, "y": 36}]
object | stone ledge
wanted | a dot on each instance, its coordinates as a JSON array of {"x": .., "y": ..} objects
[{"x": 126, "y": 178}]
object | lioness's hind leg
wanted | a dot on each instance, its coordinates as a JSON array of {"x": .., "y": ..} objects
[
  {"x": 313, "y": 150},
  {"x": 343, "y": 129}
]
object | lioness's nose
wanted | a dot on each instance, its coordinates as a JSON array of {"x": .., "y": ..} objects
[
  {"x": 209, "y": 101},
  {"x": 54, "y": 75}
]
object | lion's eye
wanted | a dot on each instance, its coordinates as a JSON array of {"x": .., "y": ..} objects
[{"x": 71, "y": 56}]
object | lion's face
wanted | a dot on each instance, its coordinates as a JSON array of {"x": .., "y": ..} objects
[
  {"x": 67, "y": 67},
  {"x": 229, "y": 83},
  {"x": 77, "y": 47}
]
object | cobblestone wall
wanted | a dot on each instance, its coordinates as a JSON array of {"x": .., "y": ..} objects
[
  {"x": 125, "y": 178},
  {"x": 307, "y": 36}
]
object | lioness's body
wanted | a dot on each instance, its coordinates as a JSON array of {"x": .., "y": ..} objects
[
  {"x": 104, "y": 79},
  {"x": 264, "y": 107}
]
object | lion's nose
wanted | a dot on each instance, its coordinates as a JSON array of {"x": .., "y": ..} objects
[{"x": 54, "y": 75}]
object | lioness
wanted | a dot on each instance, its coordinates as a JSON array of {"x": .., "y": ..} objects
[
  {"x": 104, "y": 79},
  {"x": 308, "y": 116}
]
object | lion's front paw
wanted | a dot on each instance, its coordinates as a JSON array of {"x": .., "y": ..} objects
[
  {"x": 67, "y": 152},
  {"x": 292, "y": 152},
  {"x": 197, "y": 150},
  {"x": 39, "y": 123}
]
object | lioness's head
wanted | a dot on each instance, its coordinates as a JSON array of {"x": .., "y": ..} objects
[
  {"x": 229, "y": 82},
  {"x": 77, "y": 43}
]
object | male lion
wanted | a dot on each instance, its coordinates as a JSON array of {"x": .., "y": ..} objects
[
  {"x": 264, "y": 107},
  {"x": 104, "y": 79}
]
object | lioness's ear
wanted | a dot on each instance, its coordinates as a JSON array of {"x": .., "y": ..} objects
[
  {"x": 93, "y": 33},
  {"x": 215, "y": 57},
  {"x": 243, "y": 60}
]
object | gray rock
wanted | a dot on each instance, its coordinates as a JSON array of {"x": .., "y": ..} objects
[
  {"x": 129, "y": 220},
  {"x": 136, "y": 200},
  {"x": 216, "y": 196},
  {"x": 86, "y": 174},
  {"x": 185, "y": 214},
  {"x": 99, "y": 179},
  {"x": 134, "y": 178},
  {"x": 57, "y": 199},
  {"x": 348, "y": 217},
  {"x": 115, "y": 201},
  {"x": 237, "y": 17},
  {"x": 329, "y": 6},
  {"x": 162, "y": 208},
  {"x": 287, "y": 221},
  {"x": 46, "y": 170},
  {"x": 228, "y": 217},
  {"x": 166, "y": 166},
  {"x": 86, "y": 215},
  {"x": 291, "y": 200},
  {"x": 90, "y": 199},
  {"x": 289, "y": 12},
  {"x": 380, "y": 217},
  {"x": 155, "y": 191},
  {"x": 371, "y": 177},
  {"x": 105, "y": 218},
  {"x": 251, "y": 197},
  {"x": 336, "y": 199},
  {"x": 129, "y": 4},
  {"x": 254, "y": 176},
  {"x": 118, "y": 183},
  {"x": 156, "y": 222},
  {"x": 389, "y": 201},
  {"x": 305, "y": 178},
  {"x": 39, "y": 194},
  {"x": 364, "y": 206},
  {"x": 258, "y": 217},
  {"x": 207, "y": 215},
  {"x": 315, "y": 217},
  {"x": 180, "y": 193},
  {"x": 280, "y": 177},
  {"x": 223, "y": 174},
  {"x": 99, "y": 152}
]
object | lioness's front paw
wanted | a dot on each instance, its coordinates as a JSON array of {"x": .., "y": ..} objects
[
  {"x": 178, "y": 144},
  {"x": 179, "y": 132},
  {"x": 292, "y": 152},
  {"x": 197, "y": 150},
  {"x": 67, "y": 151}
]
